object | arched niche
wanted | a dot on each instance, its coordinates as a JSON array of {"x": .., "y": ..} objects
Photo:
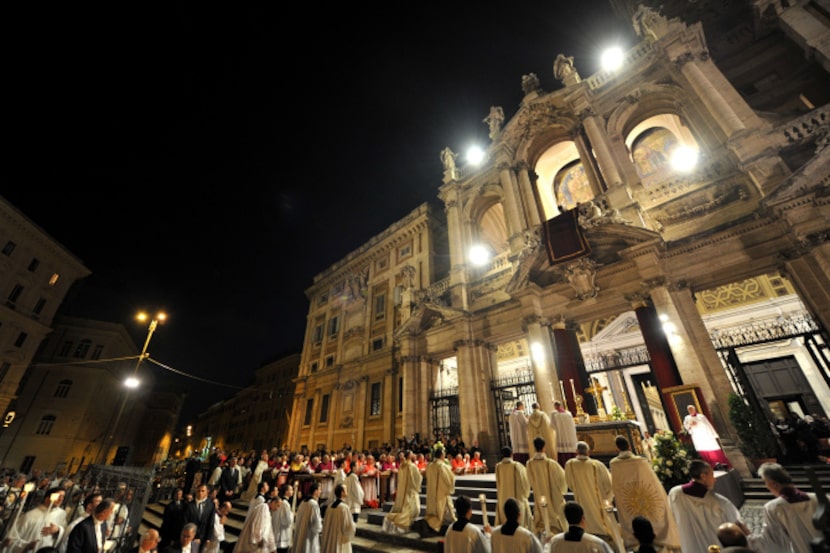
[{"x": 557, "y": 164}]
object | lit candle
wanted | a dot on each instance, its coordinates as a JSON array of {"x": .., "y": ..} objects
[
  {"x": 294, "y": 497},
  {"x": 573, "y": 389},
  {"x": 483, "y": 499},
  {"x": 544, "y": 506},
  {"x": 564, "y": 399}
]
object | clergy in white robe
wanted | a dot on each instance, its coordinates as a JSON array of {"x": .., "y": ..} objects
[
  {"x": 282, "y": 520},
  {"x": 638, "y": 491},
  {"x": 547, "y": 479},
  {"x": 788, "y": 519},
  {"x": 512, "y": 537},
  {"x": 512, "y": 481},
  {"x": 590, "y": 481},
  {"x": 408, "y": 499},
  {"x": 256, "y": 477},
  {"x": 704, "y": 437},
  {"x": 308, "y": 524},
  {"x": 538, "y": 426},
  {"x": 463, "y": 536},
  {"x": 257, "y": 534},
  {"x": 698, "y": 511},
  {"x": 564, "y": 424},
  {"x": 517, "y": 426},
  {"x": 440, "y": 487},
  {"x": 338, "y": 526},
  {"x": 43, "y": 526}
]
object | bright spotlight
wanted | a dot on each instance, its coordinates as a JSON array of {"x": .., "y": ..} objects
[
  {"x": 479, "y": 255},
  {"x": 538, "y": 352},
  {"x": 475, "y": 155},
  {"x": 132, "y": 382},
  {"x": 684, "y": 159},
  {"x": 612, "y": 58}
]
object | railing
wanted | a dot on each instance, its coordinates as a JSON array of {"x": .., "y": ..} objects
[
  {"x": 602, "y": 78},
  {"x": 768, "y": 330}
]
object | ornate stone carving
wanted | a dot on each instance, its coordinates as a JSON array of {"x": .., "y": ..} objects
[
  {"x": 581, "y": 275},
  {"x": 530, "y": 83},
  {"x": 652, "y": 283},
  {"x": 494, "y": 120},
  {"x": 592, "y": 214},
  {"x": 448, "y": 159},
  {"x": 649, "y": 23},
  {"x": 356, "y": 284},
  {"x": 563, "y": 70},
  {"x": 407, "y": 277}
]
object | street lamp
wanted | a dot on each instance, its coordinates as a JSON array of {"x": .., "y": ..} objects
[{"x": 132, "y": 381}]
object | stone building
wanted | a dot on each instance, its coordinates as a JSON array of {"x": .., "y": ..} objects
[
  {"x": 69, "y": 399},
  {"x": 657, "y": 235},
  {"x": 36, "y": 272},
  {"x": 255, "y": 418}
]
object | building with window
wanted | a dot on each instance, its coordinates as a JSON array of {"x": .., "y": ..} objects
[
  {"x": 255, "y": 418},
  {"x": 655, "y": 236},
  {"x": 68, "y": 399},
  {"x": 36, "y": 273}
]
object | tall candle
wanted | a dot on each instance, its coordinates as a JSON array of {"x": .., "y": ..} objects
[
  {"x": 573, "y": 389},
  {"x": 544, "y": 504},
  {"x": 294, "y": 497},
  {"x": 483, "y": 499},
  {"x": 564, "y": 399}
]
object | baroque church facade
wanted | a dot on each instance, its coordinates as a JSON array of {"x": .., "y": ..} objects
[{"x": 616, "y": 282}]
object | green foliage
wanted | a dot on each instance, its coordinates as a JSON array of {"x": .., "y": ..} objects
[
  {"x": 617, "y": 414},
  {"x": 757, "y": 439},
  {"x": 671, "y": 459}
]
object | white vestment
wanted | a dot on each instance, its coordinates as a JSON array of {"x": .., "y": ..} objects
[
  {"x": 471, "y": 539},
  {"x": 590, "y": 481},
  {"x": 698, "y": 518},
  {"x": 638, "y": 491},
  {"x": 64, "y": 541},
  {"x": 28, "y": 526},
  {"x": 257, "y": 535},
  {"x": 565, "y": 425},
  {"x": 547, "y": 479},
  {"x": 788, "y": 527},
  {"x": 338, "y": 530},
  {"x": 517, "y": 426},
  {"x": 440, "y": 487},
  {"x": 307, "y": 527},
  {"x": 354, "y": 493},
  {"x": 588, "y": 544},
  {"x": 215, "y": 543},
  {"x": 538, "y": 425},
  {"x": 512, "y": 481},
  {"x": 282, "y": 521},
  {"x": 256, "y": 478},
  {"x": 522, "y": 541}
]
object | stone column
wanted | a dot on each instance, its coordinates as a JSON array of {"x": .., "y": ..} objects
[
  {"x": 541, "y": 355},
  {"x": 588, "y": 162},
  {"x": 809, "y": 274},
  {"x": 389, "y": 400},
  {"x": 526, "y": 184},
  {"x": 334, "y": 410},
  {"x": 315, "y": 417},
  {"x": 512, "y": 214},
  {"x": 571, "y": 367},
  {"x": 711, "y": 87},
  {"x": 475, "y": 400},
  {"x": 599, "y": 140},
  {"x": 361, "y": 411},
  {"x": 455, "y": 234}
]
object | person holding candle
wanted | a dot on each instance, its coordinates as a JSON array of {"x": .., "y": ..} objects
[
  {"x": 547, "y": 479},
  {"x": 512, "y": 537},
  {"x": 42, "y": 526}
]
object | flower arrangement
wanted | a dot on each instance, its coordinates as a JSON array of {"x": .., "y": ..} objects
[
  {"x": 671, "y": 459},
  {"x": 617, "y": 414}
]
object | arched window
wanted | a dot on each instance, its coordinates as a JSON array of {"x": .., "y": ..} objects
[
  {"x": 63, "y": 388},
  {"x": 46, "y": 424},
  {"x": 83, "y": 349}
]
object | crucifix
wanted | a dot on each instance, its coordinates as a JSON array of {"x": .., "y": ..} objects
[{"x": 596, "y": 388}]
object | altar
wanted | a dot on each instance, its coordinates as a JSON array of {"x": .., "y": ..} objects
[{"x": 600, "y": 437}]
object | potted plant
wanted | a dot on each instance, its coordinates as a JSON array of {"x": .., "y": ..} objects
[{"x": 758, "y": 442}]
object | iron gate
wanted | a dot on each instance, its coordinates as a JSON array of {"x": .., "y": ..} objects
[
  {"x": 446, "y": 418},
  {"x": 507, "y": 391}
]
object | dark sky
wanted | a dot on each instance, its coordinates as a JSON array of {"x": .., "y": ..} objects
[{"x": 210, "y": 160}]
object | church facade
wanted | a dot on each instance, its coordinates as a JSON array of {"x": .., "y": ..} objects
[{"x": 617, "y": 280}]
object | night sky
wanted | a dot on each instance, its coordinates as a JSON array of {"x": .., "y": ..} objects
[{"x": 211, "y": 160}]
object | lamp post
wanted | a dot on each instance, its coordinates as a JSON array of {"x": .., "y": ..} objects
[{"x": 132, "y": 381}]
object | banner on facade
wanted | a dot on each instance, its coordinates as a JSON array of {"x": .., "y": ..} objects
[{"x": 564, "y": 238}]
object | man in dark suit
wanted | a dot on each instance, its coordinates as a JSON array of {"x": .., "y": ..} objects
[
  {"x": 229, "y": 481},
  {"x": 172, "y": 520},
  {"x": 201, "y": 512},
  {"x": 191, "y": 467},
  {"x": 90, "y": 534},
  {"x": 186, "y": 543}
]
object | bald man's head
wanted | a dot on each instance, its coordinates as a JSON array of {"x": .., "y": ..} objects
[
  {"x": 150, "y": 540},
  {"x": 729, "y": 534}
]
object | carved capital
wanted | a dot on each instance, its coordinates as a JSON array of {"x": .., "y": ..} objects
[
  {"x": 678, "y": 285},
  {"x": 652, "y": 283},
  {"x": 638, "y": 299}
]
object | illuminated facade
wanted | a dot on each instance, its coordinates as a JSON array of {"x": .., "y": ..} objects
[{"x": 612, "y": 272}]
